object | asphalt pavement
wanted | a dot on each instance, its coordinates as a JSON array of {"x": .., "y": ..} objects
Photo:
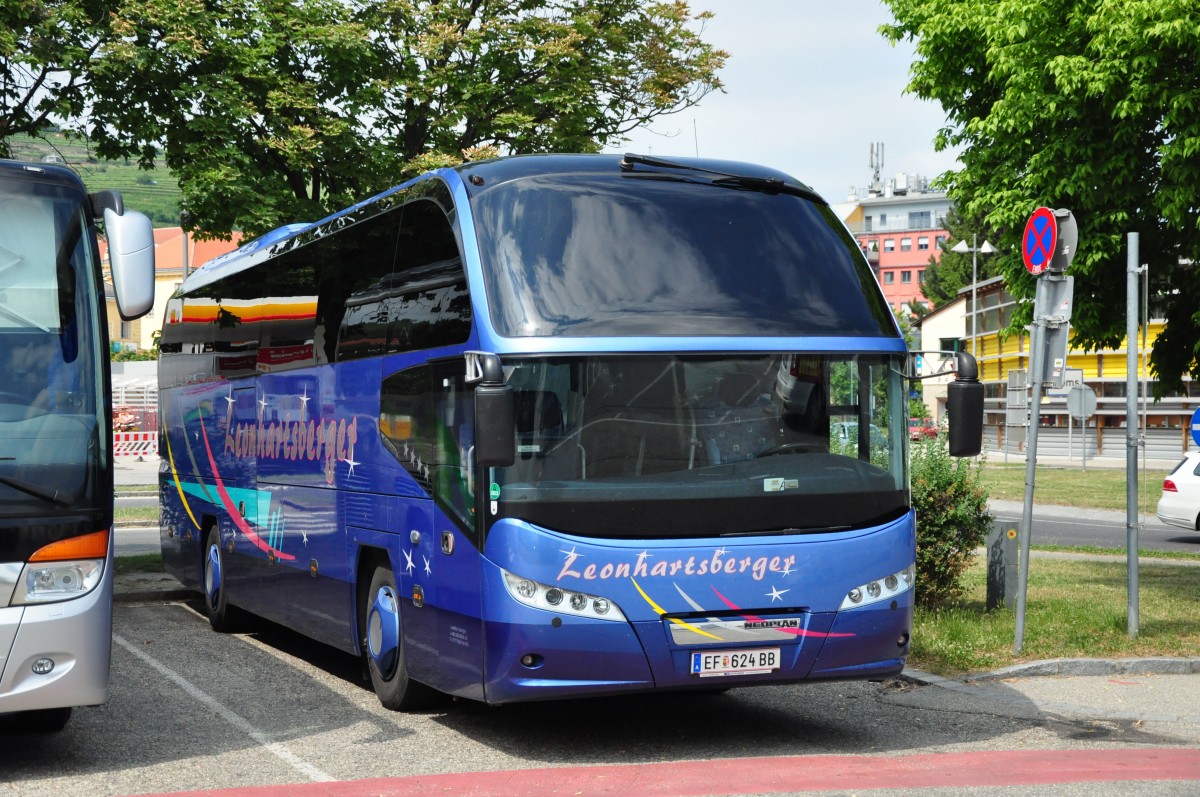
[{"x": 1117, "y": 691}]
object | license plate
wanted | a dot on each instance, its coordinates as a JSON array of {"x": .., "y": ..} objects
[{"x": 735, "y": 662}]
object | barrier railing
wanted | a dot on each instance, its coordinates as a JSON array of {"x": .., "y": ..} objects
[{"x": 135, "y": 444}]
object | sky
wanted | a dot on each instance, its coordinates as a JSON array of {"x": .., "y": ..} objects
[{"x": 809, "y": 86}]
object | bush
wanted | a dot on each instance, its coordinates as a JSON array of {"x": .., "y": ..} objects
[{"x": 952, "y": 520}]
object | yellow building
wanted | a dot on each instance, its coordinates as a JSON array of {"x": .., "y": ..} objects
[{"x": 1003, "y": 355}]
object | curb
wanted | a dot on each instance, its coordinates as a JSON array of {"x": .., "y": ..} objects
[
  {"x": 141, "y": 587},
  {"x": 1064, "y": 667}
]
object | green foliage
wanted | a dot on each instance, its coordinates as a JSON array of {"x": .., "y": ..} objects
[
  {"x": 952, "y": 520},
  {"x": 154, "y": 192},
  {"x": 271, "y": 111},
  {"x": 131, "y": 355},
  {"x": 45, "y": 50},
  {"x": 1091, "y": 105}
]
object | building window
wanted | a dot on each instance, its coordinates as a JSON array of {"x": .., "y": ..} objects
[
  {"x": 889, "y": 245},
  {"x": 889, "y": 277},
  {"x": 906, "y": 244},
  {"x": 920, "y": 220},
  {"x": 905, "y": 276},
  {"x": 866, "y": 224},
  {"x": 921, "y": 276},
  {"x": 126, "y": 330},
  {"x": 922, "y": 243},
  {"x": 950, "y": 344}
]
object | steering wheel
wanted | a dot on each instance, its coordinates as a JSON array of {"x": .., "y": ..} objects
[{"x": 791, "y": 448}]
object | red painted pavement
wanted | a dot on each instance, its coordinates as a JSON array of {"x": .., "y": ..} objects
[{"x": 773, "y": 775}]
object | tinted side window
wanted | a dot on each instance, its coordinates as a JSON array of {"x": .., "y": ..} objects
[
  {"x": 332, "y": 294},
  {"x": 427, "y": 421},
  {"x": 355, "y": 264},
  {"x": 431, "y": 304}
]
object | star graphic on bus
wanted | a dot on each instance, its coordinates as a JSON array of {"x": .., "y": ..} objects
[
  {"x": 408, "y": 562},
  {"x": 776, "y": 594},
  {"x": 427, "y": 570}
]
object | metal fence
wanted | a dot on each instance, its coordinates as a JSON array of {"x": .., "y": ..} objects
[{"x": 1094, "y": 443}]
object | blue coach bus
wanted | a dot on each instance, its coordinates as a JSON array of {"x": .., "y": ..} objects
[
  {"x": 552, "y": 426},
  {"x": 56, "y": 459}
]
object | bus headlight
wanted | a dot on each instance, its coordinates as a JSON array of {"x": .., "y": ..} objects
[
  {"x": 47, "y": 582},
  {"x": 563, "y": 601},
  {"x": 880, "y": 589}
]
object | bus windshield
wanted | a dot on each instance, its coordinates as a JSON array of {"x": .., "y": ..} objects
[
  {"x": 51, "y": 402},
  {"x": 705, "y": 445},
  {"x": 587, "y": 255}
]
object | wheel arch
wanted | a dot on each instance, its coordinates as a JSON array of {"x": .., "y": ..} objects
[{"x": 369, "y": 557}]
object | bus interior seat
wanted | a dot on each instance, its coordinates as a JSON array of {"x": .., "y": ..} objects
[{"x": 737, "y": 422}]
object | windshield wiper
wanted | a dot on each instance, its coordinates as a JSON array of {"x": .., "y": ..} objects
[
  {"x": 766, "y": 185},
  {"x": 20, "y": 319},
  {"x": 53, "y": 496},
  {"x": 788, "y": 530}
]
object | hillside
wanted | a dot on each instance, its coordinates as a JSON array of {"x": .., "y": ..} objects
[{"x": 154, "y": 192}]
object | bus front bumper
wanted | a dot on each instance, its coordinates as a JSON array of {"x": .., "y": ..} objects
[{"x": 73, "y": 639}]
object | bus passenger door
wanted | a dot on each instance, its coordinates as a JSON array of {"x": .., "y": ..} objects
[
  {"x": 450, "y": 565},
  {"x": 427, "y": 423}
]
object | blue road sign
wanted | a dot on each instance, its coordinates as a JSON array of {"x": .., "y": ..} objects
[{"x": 1196, "y": 426}]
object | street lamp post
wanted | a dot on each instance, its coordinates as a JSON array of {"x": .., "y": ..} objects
[{"x": 987, "y": 249}]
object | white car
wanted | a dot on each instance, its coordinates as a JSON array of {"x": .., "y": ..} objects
[{"x": 1180, "y": 502}]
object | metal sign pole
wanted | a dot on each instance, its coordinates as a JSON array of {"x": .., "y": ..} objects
[
  {"x": 1047, "y": 248},
  {"x": 1131, "y": 431},
  {"x": 1036, "y": 355}
]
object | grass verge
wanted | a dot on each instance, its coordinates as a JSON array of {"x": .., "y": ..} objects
[
  {"x": 1073, "y": 610},
  {"x": 1098, "y": 488},
  {"x": 135, "y": 515}
]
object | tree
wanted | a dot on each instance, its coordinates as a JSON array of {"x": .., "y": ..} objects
[
  {"x": 1091, "y": 105},
  {"x": 45, "y": 48},
  {"x": 952, "y": 271},
  {"x": 282, "y": 110}
]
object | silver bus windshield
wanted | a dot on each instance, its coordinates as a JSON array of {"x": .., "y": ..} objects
[
  {"x": 51, "y": 397},
  {"x": 691, "y": 445}
]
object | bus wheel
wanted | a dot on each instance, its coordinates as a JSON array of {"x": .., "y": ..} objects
[
  {"x": 216, "y": 606},
  {"x": 384, "y": 647}
]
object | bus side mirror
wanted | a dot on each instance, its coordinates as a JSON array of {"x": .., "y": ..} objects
[
  {"x": 964, "y": 406},
  {"x": 495, "y": 413},
  {"x": 131, "y": 257}
]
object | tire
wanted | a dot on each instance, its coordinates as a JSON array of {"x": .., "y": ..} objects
[
  {"x": 46, "y": 720},
  {"x": 221, "y": 616},
  {"x": 383, "y": 647}
]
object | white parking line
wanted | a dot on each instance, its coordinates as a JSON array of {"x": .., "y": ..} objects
[{"x": 276, "y": 749}]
